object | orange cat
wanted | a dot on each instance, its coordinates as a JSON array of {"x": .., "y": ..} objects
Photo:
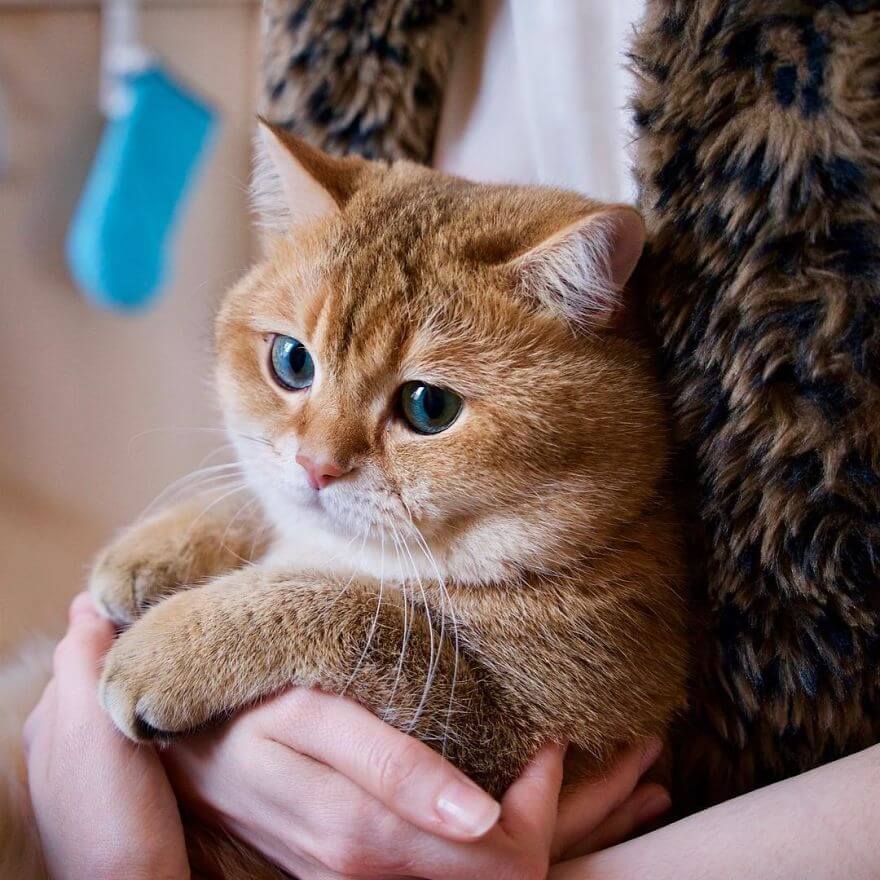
[{"x": 459, "y": 451}]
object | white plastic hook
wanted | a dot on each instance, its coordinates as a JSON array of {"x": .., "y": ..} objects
[{"x": 122, "y": 53}]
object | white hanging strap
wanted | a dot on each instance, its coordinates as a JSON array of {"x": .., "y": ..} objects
[{"x": 122, "y": 53}]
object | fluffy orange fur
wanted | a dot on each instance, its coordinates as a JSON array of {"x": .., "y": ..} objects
[{"x": 513, "y": 579}]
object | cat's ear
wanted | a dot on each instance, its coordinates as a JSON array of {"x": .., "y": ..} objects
[
  {"x": 295, "y": 183},
  {"x": 583, "y": 268}
]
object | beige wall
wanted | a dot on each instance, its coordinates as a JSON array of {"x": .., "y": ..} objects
[{"x": 81, "y": 387}]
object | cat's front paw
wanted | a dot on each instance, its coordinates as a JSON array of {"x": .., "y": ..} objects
[
  {"x": 124, "y": 582},
  {"x": 156, "y": 684}
]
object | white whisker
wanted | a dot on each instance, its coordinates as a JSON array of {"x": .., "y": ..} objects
[
  {"x": 213, "y": 504},
  {"x": 445, "y": 597},
  {"x": 354, "y": 572},
  {"x": 375, "y": 622},
  {"x": 188, "y": 481},
  {"x": 406, "y": 622},
  {"x": 247, "y": 505},
  {"x": 429, "y": 675}
]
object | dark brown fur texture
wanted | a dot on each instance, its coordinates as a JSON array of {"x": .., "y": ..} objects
[
  {"x": 759, "y": 156},
  {"x": 359, "y": 77}
]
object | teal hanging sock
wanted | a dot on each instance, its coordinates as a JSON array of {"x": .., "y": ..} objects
[{"x": 119, "y": 242}]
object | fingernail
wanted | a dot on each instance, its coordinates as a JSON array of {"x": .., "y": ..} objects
[
  {"x": 652, "y": 751},
  {"x": 467, "y": 809},
  {"x": 655, "y": 805},
  {"x": 82, "y": 606}
]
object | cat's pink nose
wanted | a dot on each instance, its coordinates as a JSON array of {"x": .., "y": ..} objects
[{"x": 321, "y": 472}]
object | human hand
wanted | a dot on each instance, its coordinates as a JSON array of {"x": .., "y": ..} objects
[
  {"x": 103, "y": 806},
  {"x": 600, "y": 813},
  {"x": 324, "y": 789}
]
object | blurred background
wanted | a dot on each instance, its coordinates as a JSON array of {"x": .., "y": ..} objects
[
  {"x": 82, "y": 385},
  {"x": 99, "y": 410}
]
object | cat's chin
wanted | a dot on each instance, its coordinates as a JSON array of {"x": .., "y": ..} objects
[
  {"x": 305, "y": 511},
  {"x": 319, "y": 530},
  {"x": 356, "y": 515}
]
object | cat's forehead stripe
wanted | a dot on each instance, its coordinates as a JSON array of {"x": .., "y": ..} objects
[
  {"x": 369, "y": 311},
  {"x": 351, "y": 334},
  {"x": 344, "y": 328}
]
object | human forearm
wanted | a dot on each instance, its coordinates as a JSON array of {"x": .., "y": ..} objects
[{"x": 821, "y": 825}]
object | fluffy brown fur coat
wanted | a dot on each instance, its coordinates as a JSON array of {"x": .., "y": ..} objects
[
  {"x": 363, "y": 77},
  {"x": 759, "y": 158}
]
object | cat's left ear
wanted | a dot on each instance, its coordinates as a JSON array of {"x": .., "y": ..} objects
[
  {"x": 583, "y": 269},
  {"x": 295, "y": 183}
]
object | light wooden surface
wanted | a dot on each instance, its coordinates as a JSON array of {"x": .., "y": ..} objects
[{"x": 96, "y": 409}]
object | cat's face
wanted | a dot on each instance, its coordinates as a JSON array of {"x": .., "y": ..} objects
[{"x": 398, "y": 362}]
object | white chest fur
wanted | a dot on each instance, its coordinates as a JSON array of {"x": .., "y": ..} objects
[{"x": 310, "y": 547}]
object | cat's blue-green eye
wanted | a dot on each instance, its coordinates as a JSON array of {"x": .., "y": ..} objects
[
  {"x": 292, "y": 366},
  {"x": 427, "y": 408}
]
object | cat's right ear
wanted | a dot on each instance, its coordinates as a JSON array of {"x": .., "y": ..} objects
[
  {"x": 583, "y": 269},
  {"x": 295, "y": 183}
]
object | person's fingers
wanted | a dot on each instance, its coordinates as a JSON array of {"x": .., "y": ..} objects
[
  {"x": 303, "y": 869},
  {"x": 238, "y": 774},
  {"x": 287, "y": 805},
  {"x": 405, "y": 775},
  {"x": 582, "y": 809},
  {"x": 79, "y": 764},
  {"x": 39, "y": 717},
  {"x": 77, "y": 669},
  {"x": 74, "y": 664},
  {"x": 645, "y": 805},
  {"x": 79, "y": 654},
  {"x": 529, "y": 808},
  {"x": 82, "y": 604},
  {"x": 299, "y": 812}
]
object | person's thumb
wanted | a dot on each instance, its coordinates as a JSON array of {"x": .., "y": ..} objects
[{"x": 78, "y": 656}]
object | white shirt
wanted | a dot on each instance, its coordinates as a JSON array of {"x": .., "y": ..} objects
[{"x": 538, "y": 92}]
